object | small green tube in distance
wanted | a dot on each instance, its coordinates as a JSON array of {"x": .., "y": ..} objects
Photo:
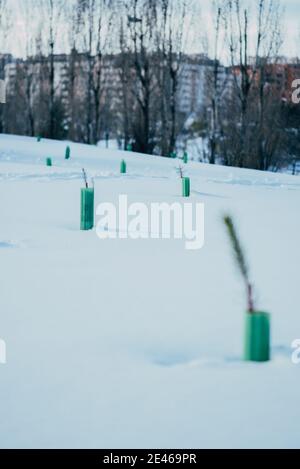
[
  {"x": 87, "y": 209},
  {"x": 39, "y": 138},
  {"x": 123, "y": 167},
  {"x": 186, "y": 187},
  {"x": 48, "y": 162},
  {"x": 185, "y": 157},
  {"x": 68, "y": 153},
  {"x": 257, "y": 337}
]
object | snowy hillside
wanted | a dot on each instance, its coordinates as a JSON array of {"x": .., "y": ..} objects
[{"x": 138, "y": 343}]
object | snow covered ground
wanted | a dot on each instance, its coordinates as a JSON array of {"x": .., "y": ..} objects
[{"x": 123, "y": 343}]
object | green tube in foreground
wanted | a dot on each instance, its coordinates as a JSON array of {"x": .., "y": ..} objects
[
  {"x": 257, "y": 337},
  {"x": 87, "y": 209},
  {"x": 48, "y": 162},
  {"x": 186, "y": 187}
]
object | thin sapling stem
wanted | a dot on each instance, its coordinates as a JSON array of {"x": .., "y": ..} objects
[
  {"x": 240, "y": 260},
  {"x": 180, "y": 172},
  {"x": 85, "y": 178}
]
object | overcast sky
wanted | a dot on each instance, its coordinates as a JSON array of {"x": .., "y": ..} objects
[{"x": 291, "y": 26}]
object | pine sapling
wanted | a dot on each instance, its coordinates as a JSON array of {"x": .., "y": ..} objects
[{"x": 240, "y": 260}]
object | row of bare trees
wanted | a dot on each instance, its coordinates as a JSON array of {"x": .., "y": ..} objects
[
  {"x": 120, "y": 74},
  {"x": 122, "y": 70},
  {"x": 251, "y": 125}
]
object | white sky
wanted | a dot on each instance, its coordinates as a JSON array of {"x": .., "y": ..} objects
[{"x": 291, "y": 26}]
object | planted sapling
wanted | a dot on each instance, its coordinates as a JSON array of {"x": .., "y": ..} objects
[
  {"x": 87, "y": 204},
  {"x": 257, "y": 324},
  {"x": 186, "y": 183}
]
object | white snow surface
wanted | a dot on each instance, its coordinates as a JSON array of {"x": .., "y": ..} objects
[{"x": 138, "y": 343}]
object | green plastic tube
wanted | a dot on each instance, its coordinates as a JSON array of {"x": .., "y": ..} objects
[
  {"x": 48, "y": 162},
  {"x": 68, "y": 153},
  {"x": 129, "y": 147},
  {"x": 87, "y": 209},
  {"x": 257, "y": 337},
  {"x": 185, "y": 157},
  {"x": 39, "y": 138},
  {"x": 123, "y": 167},
  {"x": 186, "y": 187}
]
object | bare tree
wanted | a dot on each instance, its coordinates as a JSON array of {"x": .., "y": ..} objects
[
  {"x": 102, "y": 66},
  {"x": 216, "y": 83},
  {"x": 29, "y": 67},
  {"x": 124, "y": 67},
  {"x": 51, "y": 12},
  {"x": 249, "y": 71},
  {"x": 142, "y": 17},
  {"x": 96, "y": 19},
  {"x": 173, "y": 17},
  {"x": 75, "y": 124}
]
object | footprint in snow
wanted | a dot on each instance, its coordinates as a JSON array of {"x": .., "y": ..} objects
[{"x": 7, "y": 245}]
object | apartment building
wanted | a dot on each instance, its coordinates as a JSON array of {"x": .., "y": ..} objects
[
  {"x": 71, "y": 70},
  {"x": 196, "y": 83},
  {"x": 278, "y": 75}
]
